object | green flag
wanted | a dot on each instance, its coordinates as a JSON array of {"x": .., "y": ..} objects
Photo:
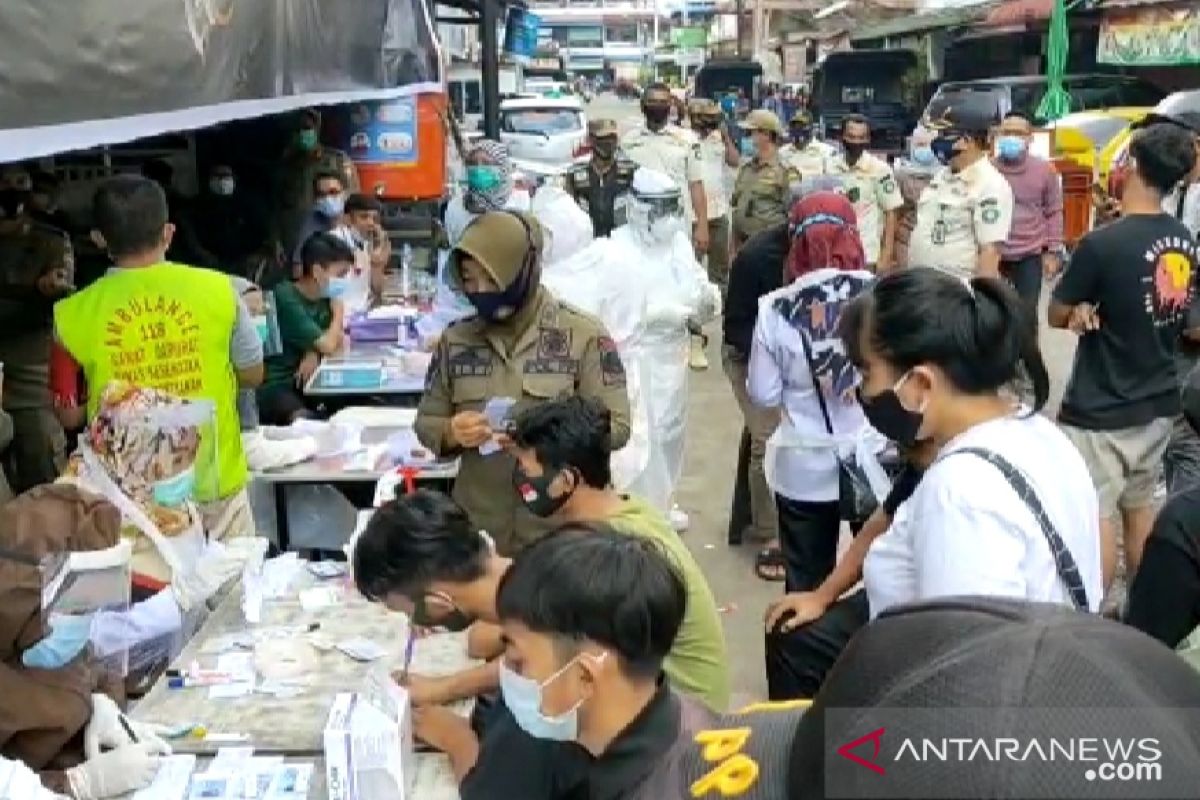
[{"x": 1057, "y": 103}]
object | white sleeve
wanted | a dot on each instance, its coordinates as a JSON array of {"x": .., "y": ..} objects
[
  {"x": 764, "y": 381},
  {"x": 19, "y": 782},
  {"x": 963, "y": 537},
  {"x": 113, "y": 631}
]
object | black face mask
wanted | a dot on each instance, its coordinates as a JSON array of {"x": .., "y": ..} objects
[
  {"x": 853, "y": 150},
  {"x": 888, "y": 415},
  {"x": 656, "y": 115},
  {"x": 535, "y": 492},
  {"x": 454, "y": 621},
  {"x": 943, "y": 148},
  {"x": 604, "y": 150},
  {"x": 801, "y": 136}
]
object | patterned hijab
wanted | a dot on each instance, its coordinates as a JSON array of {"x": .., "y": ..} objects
[
  {"x": 824, "y": 232},
  {"x": 479, "y": 201}
]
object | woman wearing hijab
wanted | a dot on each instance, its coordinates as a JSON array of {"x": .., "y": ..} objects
[
  {"x": 521, "y": 347},
  {"x": 797, "y": 364},
  {"x": 53, "y": 689}
]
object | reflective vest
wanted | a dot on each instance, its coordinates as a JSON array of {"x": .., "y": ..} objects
[{"x": 165, "y": 327}]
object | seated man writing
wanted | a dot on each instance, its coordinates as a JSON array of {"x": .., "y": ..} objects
[
  {"x": 420, "y": 554},
  {"x": 589, "y": 617},
  {"x": 311, "y": 322}
]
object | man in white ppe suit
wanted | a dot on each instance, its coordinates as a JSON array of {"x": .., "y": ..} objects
[{"x": 644, "y": 283}]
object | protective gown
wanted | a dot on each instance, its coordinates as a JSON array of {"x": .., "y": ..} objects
[{"x": 644, "y": 283}]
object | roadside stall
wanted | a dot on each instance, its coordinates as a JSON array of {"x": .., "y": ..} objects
[{"x": 95, "y": 90}]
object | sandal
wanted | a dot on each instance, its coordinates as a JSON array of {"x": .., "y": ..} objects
[{"x": 769, "y": 564}]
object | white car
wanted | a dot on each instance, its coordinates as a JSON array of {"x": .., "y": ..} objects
[{"x": 545, "y": 130}]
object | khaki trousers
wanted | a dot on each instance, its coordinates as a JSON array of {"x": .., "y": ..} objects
[{"x": 761, "y": 422}]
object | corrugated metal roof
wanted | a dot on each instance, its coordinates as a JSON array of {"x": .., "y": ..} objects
[
  {"x": 950, "y": 18},
  {"x": 1019, "y": 12}
]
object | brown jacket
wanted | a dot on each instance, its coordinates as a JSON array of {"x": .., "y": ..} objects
[{"x": 42, "y": 728}]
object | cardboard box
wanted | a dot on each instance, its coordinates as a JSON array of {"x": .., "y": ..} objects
[{"x": 369, "y": 743}]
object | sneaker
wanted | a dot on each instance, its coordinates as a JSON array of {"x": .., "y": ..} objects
[
  {"x": 697, "y": 358},
  {"x": 679, "y": 519}
]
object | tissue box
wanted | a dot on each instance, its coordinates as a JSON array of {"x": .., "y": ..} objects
[{"x": 369, "y": 744}]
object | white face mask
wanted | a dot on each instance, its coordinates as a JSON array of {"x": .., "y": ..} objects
[{"x": 222, "y": 186}]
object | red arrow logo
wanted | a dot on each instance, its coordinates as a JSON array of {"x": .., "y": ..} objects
[{"x": 846, "y": 751}]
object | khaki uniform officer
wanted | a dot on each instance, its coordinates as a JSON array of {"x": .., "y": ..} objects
[
  {"x": 762, "y": 190},
  {"x": 523, "y": 344},
  {"x": 870, "y": 185},
  {"x": 808, "y": 156},
  {"x": 715, "y": 152},
  {"x": 965, "y": 213},
  {"x": 601, "y": 187}
]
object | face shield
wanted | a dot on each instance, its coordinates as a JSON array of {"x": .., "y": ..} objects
[
  {"x": 81, "y": 593},
  {"x": 656, "y": 218}
]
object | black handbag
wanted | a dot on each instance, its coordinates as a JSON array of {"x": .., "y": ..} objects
[{"x": 856, "y": 499}]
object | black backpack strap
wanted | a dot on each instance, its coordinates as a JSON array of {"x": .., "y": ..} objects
[{"x": 1068, "y": 570}]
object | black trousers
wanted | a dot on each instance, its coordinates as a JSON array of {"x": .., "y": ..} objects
[
  {"x": 798, "y": 661},
  {"x": 1025, "y": 275},
  {"x": 808, "y": 537}
]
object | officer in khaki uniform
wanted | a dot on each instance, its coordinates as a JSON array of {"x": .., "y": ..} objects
[
  {"x": 601, "y": 187},
  {"x": 716, "y": 152},
  {"x": 965, "y": 213},
  {"x": 762, "y": 190},
  {"x": 523, "y": 344},
  {"x": 870, "y": 185},
  {"x": 805, "y": 154},
  {"x": 303, "y": 160}
]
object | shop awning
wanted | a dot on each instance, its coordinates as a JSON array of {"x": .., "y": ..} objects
[
  {"x": 80, "y": 75},
  {"x": 916, "y": 23}
]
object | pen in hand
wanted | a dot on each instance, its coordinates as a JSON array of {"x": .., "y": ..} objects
[
  {"x": 408, "y": 653},
  {"x": 128, "y": 728}
]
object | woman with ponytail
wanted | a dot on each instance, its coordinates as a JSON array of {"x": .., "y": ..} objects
[{"x": 1005, "y": 509}]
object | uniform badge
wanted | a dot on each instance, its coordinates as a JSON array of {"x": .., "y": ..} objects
[
  {"x": 853, "y": 194},
  {"x": 991, "y": 210},
  {"x": 554, "y": 343},
  {"x": 612, "y": 369},
  {"x": 888, "y": 184}
]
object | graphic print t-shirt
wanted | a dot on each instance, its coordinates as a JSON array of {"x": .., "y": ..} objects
[{"x": 1141, "y": 271}]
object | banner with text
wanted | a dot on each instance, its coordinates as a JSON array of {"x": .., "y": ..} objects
[{"x": 1150, "y": 37}]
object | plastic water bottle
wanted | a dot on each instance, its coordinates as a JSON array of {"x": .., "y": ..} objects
[{"x": 406, "y": 271}]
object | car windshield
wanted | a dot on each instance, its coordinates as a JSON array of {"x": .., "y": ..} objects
[
  {"x": 958, "y": 96},
  {"x": 1099, "y": 129},
  {"x": 541, "y": 120}
]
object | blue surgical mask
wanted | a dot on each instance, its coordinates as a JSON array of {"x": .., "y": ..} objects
[
  {"x": 336, "y": 287},
  {"x": 749, "y": 148},
  {"x": 331, "y": 206},
  {"x": 1010, "y": 148},
  {"x": 69, "y": 634},
  {"x": 922, "y": 155},
  {"x": 175, "y": 490},
  {"x": 523, "y": 696}
]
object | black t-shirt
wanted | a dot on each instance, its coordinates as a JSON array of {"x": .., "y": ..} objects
[
  {"x": 1140, "y": 271},
  {"x": 756, "y": 270},
  {"x": 1164, "y": 599}
]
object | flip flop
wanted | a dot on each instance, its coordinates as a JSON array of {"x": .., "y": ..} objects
[{"x": 770, "y": 566}]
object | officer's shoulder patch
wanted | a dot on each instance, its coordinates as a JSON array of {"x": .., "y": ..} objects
[
  {"x": 612, "y": 369},
  {"x": 990, "y": 214}
]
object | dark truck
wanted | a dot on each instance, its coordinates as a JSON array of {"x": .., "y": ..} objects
[{"x": 882, "y": 85}]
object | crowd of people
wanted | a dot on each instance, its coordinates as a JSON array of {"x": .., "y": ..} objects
[{"x": 880, "y": 335}]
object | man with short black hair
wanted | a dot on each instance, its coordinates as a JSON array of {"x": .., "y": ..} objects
[
  {"x": 562, "y": 451},
  {"x": 177, "y": 328},
  {"x": 870, "y": 185},
  {"x": 1127, "y": 293},
  {"x": 1035, "y": 240},
  {"x": 311, "y": 318},
  {"x": 362, "y": 229},
  {"x": 325, "y": 214}
]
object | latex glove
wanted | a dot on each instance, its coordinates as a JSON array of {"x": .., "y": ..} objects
[
  {"x": 104, "y": 729},
  {"x": 219, "y": 564},
  {"x": 116, "y": 772}
]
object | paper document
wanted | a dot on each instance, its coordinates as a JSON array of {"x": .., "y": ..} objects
[
  {"x": 171, "y": 780},
  {"x": 496, "y": 410}
]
